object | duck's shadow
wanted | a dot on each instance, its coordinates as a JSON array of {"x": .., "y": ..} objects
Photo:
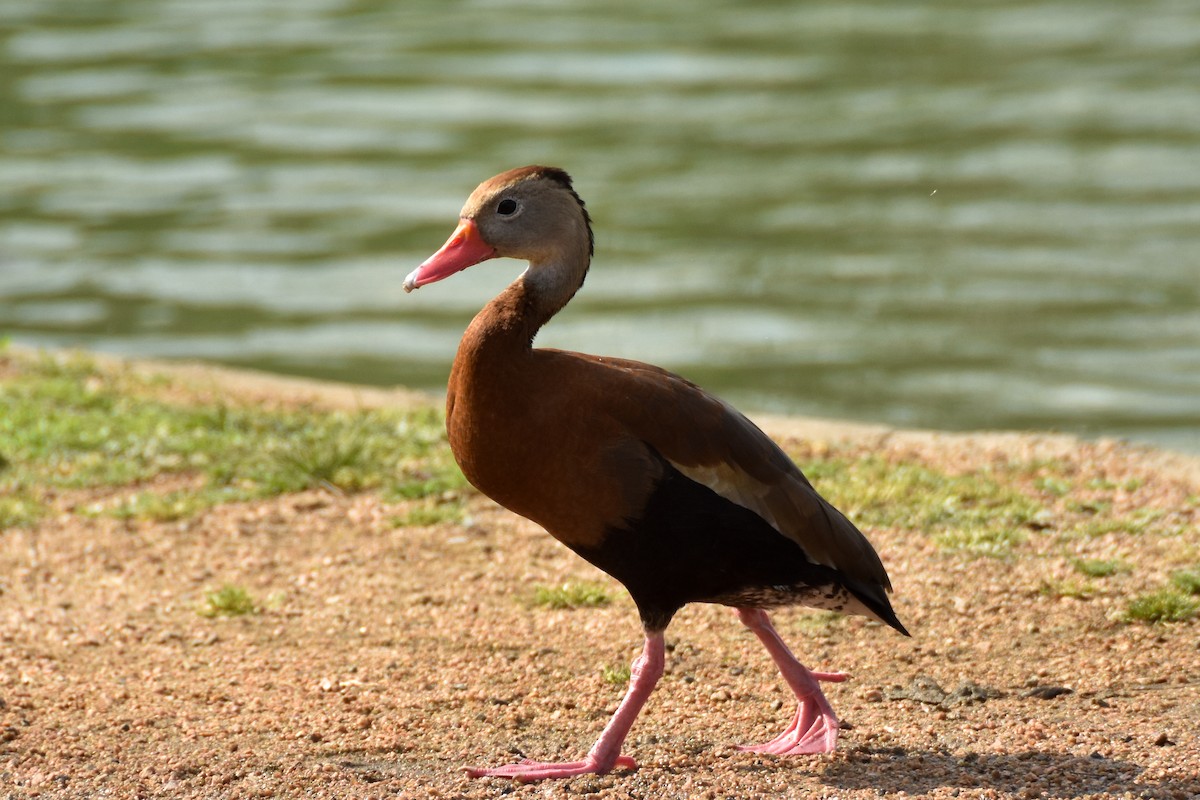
[{"x": 1028, "y": 773}]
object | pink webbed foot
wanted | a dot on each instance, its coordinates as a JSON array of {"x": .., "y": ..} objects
[
  {"x": 606, "y": 752},
  {"x": 529, "y": 770},
  {"x": 814, "y": 729}
]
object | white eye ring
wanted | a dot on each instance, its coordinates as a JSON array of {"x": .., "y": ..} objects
[{"x": 507, "y": 207}]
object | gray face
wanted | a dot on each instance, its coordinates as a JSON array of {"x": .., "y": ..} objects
[{"x": 535, "y": 219}]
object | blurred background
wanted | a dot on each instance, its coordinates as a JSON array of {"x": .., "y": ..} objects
[{"x": 952, "y": 215}]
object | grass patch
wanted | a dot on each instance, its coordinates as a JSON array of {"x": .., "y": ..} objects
[
  {"x": 1079, "y": 590},
  {"x": 328, "y": 457},
  {"x": 986, "y": 540},
  {"x": 1099, "y": 522},
  {"x": 1099, "y": 568},
  {"x": 1053, "y": 485},
  {"x": 20, "y": 511},
  {"x": 1187, "y": 581},
  {"x": 616, "y": 676},
  {"x": 1164, "y": 605},
  {"x": 67, "y": 424},
  {"x": 164, "y": 507},
  {"x": 1127, "y": 485},
  {"x": 571, "y": 595},
  {"x": 228, "y": 601},
  {"x": 973, "y": 513},
  {"x": 436, "y": 513}
]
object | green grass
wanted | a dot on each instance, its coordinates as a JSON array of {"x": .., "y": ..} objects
[
  {"x": 1080, "y": 590},
  {"x": 616, "y": 676},
  {"x": 1128, "y": 485},
  {"x": 1100, "y": 522},
  {"x": 1164, "y": 605},
  {"x": 1187, "y": 581},
  {"x": 166, "y": 506},
  {"x": 431, "y": 513},
  {"x": 228, "y": 601},
  {"x": 571, "y": 595},
  {"x": 19, "y": 511},
  {"x": 997, "y": 541},
  {"x": 66, "y": 424},
  {"x": 1053, "y": 485},
  {"x": 1099, "y": 568},
  {"x": 977, "y": 514}
]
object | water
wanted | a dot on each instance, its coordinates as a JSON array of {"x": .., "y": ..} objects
[{"x": 947, "y": 214}]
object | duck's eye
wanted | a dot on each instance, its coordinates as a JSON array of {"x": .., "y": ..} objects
[{"x": 507, "y": 207}]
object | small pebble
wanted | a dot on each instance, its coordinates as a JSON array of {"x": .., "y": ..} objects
[{"x": 1047, "y": 692}]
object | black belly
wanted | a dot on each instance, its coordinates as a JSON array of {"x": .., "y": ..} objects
[{"x": 691, "y": 545}]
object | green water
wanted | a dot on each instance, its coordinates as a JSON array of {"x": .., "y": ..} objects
[{"x": 946, "y": 214}]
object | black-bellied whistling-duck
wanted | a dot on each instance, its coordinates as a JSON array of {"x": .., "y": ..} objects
[{"x": 644, "y": 474}]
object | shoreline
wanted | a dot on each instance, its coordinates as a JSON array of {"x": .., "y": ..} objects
[{"x": 261, "y": 385}]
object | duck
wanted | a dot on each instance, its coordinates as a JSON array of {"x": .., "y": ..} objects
[{"x": 650, "y": 478}]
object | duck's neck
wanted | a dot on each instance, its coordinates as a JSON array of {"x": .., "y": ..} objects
[
  {"x": 493, "y": 358},
  {"x": 549, "y": 287},
  {"x": 514, "y": 317}
]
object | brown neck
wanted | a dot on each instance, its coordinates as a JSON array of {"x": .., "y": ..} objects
[{"x": 513, "y": 318}]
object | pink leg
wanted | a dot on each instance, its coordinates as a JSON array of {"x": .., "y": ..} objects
[
  {"x": 606, "y": 752},
  {"x": 815, "y": 727}
]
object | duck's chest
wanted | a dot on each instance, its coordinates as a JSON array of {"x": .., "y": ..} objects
[
  {"x": 495, "y": 438},
  {"x": 535, "y": 443}
]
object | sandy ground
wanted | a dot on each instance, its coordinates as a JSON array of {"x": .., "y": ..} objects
[{"x": 384, "y": 658}]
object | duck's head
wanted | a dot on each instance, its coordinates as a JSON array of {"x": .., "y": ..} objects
[{"x": 531, "y": 213}]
